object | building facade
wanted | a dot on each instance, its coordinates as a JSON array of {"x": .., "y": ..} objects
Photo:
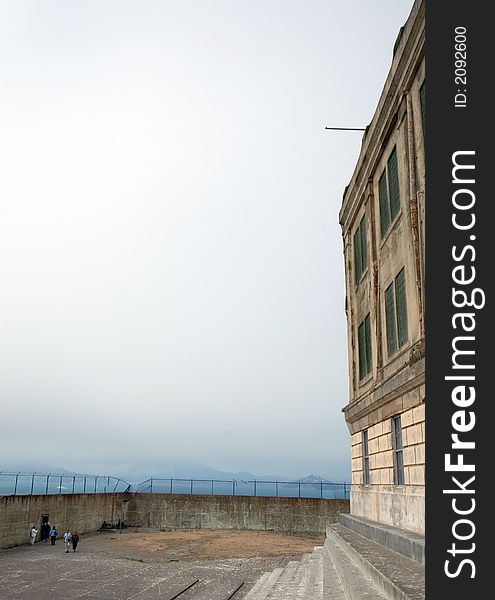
[{"x": 382, "y": 220}]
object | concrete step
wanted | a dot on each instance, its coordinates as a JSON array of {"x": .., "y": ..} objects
[
  {"x": 314, "y": 589},
  {"x": 355, "y": 584},
  {"x": 250, "y": 595},
  {"x": 332, "y": 586},
  {"x": 281, "y": 588},
  {"x": 291, "y": 593},
  {"x": 392, "y": 575},
  {"x": 311, "y": 584},
  {"x": 408, "y": 543},
  {"x": 264, "y": 589}
]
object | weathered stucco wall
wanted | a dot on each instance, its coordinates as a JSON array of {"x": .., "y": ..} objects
[
  {"x": 165, "y": 511},
  {"x": 86, "y": 512},
  {"x": 80, "y": 512}
]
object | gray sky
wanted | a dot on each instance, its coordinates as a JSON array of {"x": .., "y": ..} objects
[{"x": 170, "y": 255}]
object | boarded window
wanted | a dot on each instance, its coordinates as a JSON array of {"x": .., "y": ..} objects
[
  {"x": 422, "y": 99},
  {"x": 384, "y": 204},
  {"x": 393, "y": 184},
  {"x": 391, "y": 320},
  {"x": 401, "y": 303},
  {"x": 364, "y": 348},
  {"x": 389, "y": 192},
  {"x": 360, "y": 251},
  {"x": 396, "y": 313}
]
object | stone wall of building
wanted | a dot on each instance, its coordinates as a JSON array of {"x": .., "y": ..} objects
[
  {"x": 382, "y": 500},
  {"x": 385, "y": 294}
]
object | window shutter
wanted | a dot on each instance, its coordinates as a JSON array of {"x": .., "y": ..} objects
[
  {"x": 393, "y": 184},
  {"x": 384, "y": 205},
  {"x": 369, "y": 357},
  {"x": 400, "y": 296},
  {"x": 357, "y": 255},
  {"x": 390, "y": 318},
  {"x": 362, "y": 351},
  {"x": 364, "y": 244}
]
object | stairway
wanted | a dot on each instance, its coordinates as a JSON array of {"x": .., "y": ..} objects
[{"x": 349, "y": 566}]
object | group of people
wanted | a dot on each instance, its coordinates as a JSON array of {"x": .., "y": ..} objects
[
  {"x": 71, "y": 539},
  {"x": 51, "y": 533}
]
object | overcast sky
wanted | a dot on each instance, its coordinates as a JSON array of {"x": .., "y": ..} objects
[{"x": 171, "y": 273}]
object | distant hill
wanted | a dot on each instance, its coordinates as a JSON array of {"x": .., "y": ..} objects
[
  {"x": 30, "y": 467},
  {"x": 138, "y": 472}
]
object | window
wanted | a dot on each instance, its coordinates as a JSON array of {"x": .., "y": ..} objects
[
  {"x": 396, "y": 313},
  {"x": 360, "y": 250},
  {"x": 389, "y": 194},
  {"x": 366, "y": 459},
  {"x": 398, "y": 451},
  {"x": 422, "y": 99},
  {"x": 364, "y": 343}
]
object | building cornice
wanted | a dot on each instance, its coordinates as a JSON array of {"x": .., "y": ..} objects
[{"x": 409, "y": 52}]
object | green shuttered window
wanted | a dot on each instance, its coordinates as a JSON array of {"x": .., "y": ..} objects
[
  {"x": 364, "y": 347},
  {"x": 401, "y": 303},
  {"x": 393, "y": 184},
  {"x": 389, "y": 192},
  {"x": 396, "y": 313},
  {"x": 360, "y": 251},
  {"x": 384, "y": 205},
  {"x": 422, "y": 100},
  {"x": 391, "y": 320}
]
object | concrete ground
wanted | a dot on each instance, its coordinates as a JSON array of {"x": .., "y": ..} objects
[{"x": 146, "y": 564}]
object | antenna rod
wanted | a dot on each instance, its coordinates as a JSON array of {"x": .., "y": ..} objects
[{"x": 346, "y": 128}]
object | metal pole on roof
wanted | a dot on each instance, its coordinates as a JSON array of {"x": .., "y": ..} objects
[{"x": 346, "y": 128}]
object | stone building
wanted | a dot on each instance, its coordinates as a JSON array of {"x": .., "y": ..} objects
[{"x": 382, "y": 219}]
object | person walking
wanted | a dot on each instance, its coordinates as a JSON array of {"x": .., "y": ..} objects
[
  {"x": 75, "y": 540},
  {"x": 47, "y": 532},
  {"x": 67, "y": 540},
  {"x": 32, "y": 535},
  {"x": 53, "y": 535}
]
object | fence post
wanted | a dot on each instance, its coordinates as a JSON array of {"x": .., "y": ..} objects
[
  {"x": 46, "y": 488},
  {"x": 73, "y": 483},
  {"x": 84, "y": 488},
  {"x": 299, "y": 488},
  {"x": 321, "y": 489},
  {"x": 32, "y": 484},
  {"x": 233, "y": 487},
  {"x": 212, "y": 486},
  {"x": 151, "y": 485},
  {"x": 191, "y": 485},
  {"x": 96, "y": 483},
  {"x": 60, "y": 484},
  {"x": 171, "y": 484},
  {"x": 276, "y": 488},
  {"x": 16, "y": 480},
  {"x": 255, "y": 487}
]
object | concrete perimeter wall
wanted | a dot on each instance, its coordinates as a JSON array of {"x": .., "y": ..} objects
[
  {"x": 77, "y": 512},
  {"x": 86, "y": 512},
  {"x": 174, "y": 511}
]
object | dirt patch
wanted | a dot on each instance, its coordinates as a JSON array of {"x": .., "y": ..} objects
[{"x": 206, "y": 544}]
